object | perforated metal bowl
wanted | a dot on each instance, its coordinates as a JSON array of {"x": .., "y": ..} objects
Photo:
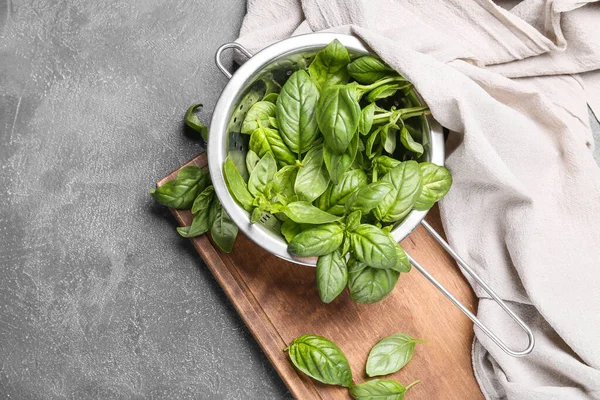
[{"x": 245, "y": 88}]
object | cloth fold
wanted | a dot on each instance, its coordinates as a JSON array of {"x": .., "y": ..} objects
[{"x": 511, "y": 84}]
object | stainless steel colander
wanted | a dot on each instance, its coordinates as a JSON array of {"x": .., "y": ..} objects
[{"x": 247, "y": 86}]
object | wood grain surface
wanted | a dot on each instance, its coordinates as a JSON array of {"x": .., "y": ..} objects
[{"x": 278, "y": 301}]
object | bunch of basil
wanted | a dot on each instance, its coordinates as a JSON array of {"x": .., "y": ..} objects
[{"x": 324, "y": 159}]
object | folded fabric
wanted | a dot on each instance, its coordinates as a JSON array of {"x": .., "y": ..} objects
[{"x": 524, "y": 208}]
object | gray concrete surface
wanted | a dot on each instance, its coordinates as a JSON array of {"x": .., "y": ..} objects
[{"x": 99, "y": 297}]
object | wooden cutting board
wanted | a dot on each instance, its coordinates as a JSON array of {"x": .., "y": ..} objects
[{"x": 278, "y": 301}]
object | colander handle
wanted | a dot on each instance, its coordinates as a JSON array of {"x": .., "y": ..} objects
[
  {"x": 232, "y": 45},
  {"x": 465, "y": 310}
]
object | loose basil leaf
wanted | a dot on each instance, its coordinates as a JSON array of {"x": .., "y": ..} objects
[
  {"x": 369, "y": 285},
  {"x": 204, "y": 200},
  {"x": 256, "y": 215},
  {"x": 353, "y": 220},
  {"x": 251, "y": 160},
  {"x": 305, "y": 213},
  {"x": 369, "y": 69},
  {"x": 320, "y": 359},
  {"x": 406, "y": 179},
  {"x": 366, "y": 119},
  {"x": 402, "y": 262},
  {"x": 367, "y": 197},
  {"x": 258, "y": 115},
  {"x": 262, "y": 174},
  {"x": 273, "y": 122},
  {"x": 380, "y": 389},
  {"x": 266, "y": 140},
  {"x": 436, "y": 183},
  {"x": 271, "y": 98},
  {"x": 337, "y": 164},
  {"x": 373, "y": 246},
  {"x": 409, "y": 143},
  {"x": 332, "y": 276},
  {"x": 237, "y": 186},
  {"x": 384, "y": 164},
  {"x": 283, "y": 181},
  {"x": 289, "y": 229},
  {"x": 312, "y": 179},
  {"x": 351, "y": 181},
  {"x": 390, "y": 354},
  {"x": 223, "y": 230},
  {"x": 179, "y": 193},
  {"x": 338, "y": 113},
  {"x": 317, "y": 241},
  {"x": 192, "y": 120},
  {"x": 384, "y": 91},
  {"x": 389, "y": 142},
  {"x": 329, "y": 65},
  {"x": 296, "y": 112},
  {"x": 191, "y": 172}
]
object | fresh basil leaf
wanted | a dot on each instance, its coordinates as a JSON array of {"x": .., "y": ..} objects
[
  {"x": 179, "y": 193},
  {"x": 384, "y": 91},
  {"x": 192, "y": 120},
  {"x": 436, "y": 183},
  {"x": 201, "y": 223},
  {"x": 204, "y": 200},
  {"x": 223, "y": 231},
  {"x": 237, "y": 186},
  {"x": 267, "y": 140},
  {"x": 371, "y": 143},
  {"x": 262, "y": 174},
  {"x": 351, "y": 181},
  {"x": 409, "y": 143},
  {"x": 283, "y": 181},
  {"x": 365, "y": 121},
  {"x": 273, "y": 122},
  {"x": 312, "y": 179},
  {"x": 345, "y": 245},
  {"x": 373, "y": 246},
  {"x": 369, "y": 69},
  {"x": 367, "y": 197},
  {"x": 329, "y": 65},
  {"x": 390, "y": 354},
  {"x": 271, "y": 98},
  {"x": 289, "y": 229},
  {"x": 251, "y": 160},
  {"x": 369, "y": 285},
  {"x": 320, "y": 359},
  {"x": 258, "y": 116},
  {"x": 305, "y": 213},
  {"x": 239, "y": 160},
  {"x": 389, "y": 142},
  {"x": 353, "y": 220},
  {"x": 406, "y": 179},
  {"x": 332, "y": 276},
  {"x": 402, "y": 262},
  {"x": 296, "y": 112},
  {"x": 338, "y": 164},
  {"x": 380, "y": 389},
  {"x": 317, "y": 241},
  {"x": 384, "y": 164},
  {"x": 338, "y": 113},
  {"x": 191, "y": 172}
]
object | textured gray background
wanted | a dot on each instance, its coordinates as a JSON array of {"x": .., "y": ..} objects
[{"x": 99, "y": 297}]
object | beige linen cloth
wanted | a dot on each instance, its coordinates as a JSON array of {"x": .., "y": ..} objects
[{"x": 512, "y": 83}]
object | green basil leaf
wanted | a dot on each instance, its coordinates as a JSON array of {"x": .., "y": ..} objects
[
  {"x": 368, "y": 197},
  {"x": 271, "y": 98},
  {"x": 389, "y": 142},
  {"x": 191, "y": 172},
  {"x": 351, "y": 181},
  {"x": 338, "y": 113},
  {"x": 251, "y": 160},
  {"x": 267, "y": 140},
  {"x": 305, "y": 213},
  {"x": 192, "y": 120},
  {"x": 345, "y": 245},
  {"x": 369, "y": 285},
  {"x": 239, "y": 160},
  {"x": 262, "y": 174},
  {"x": 258, "y": 116},
  {"x": 390, "y": 354},
  {"x": 332, "y": 276},
  {"x": 179, "y": 193},
  {"x": 312, "y": 179},
  {"x": 406, "y": 179},
  {"x": 373, "y": 246},
  {"x": 204, "y": 200},
  {"x": 384, "y": 91},
  {"x": 320, "y": 359},
  {"x": 338, "y": 164},
  {"x": 384, "y": 164},
  {"x": 353, "y": 220},
  {"x": 371, "y": 143},
  {"x": 402, "y": 262},
  {"x": 284, "y": 180},
  {"x": 409, "y": 143},
  {"x": 366, "y": 119},
  {"x": 237, "y": 186},
  {"x": 289, "y": 229},
  {"x": 273, "y": 122},
  {"x": 369, "y": 69},
  {"x": 329, "y": 65},
  {"x": 317, "y": 241},
  {"x": 380, "y": 389},
  {"x": 296, "y": 112},
  {"x": 223, "y": 231},
  {"x": 436, "y": 183}
]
